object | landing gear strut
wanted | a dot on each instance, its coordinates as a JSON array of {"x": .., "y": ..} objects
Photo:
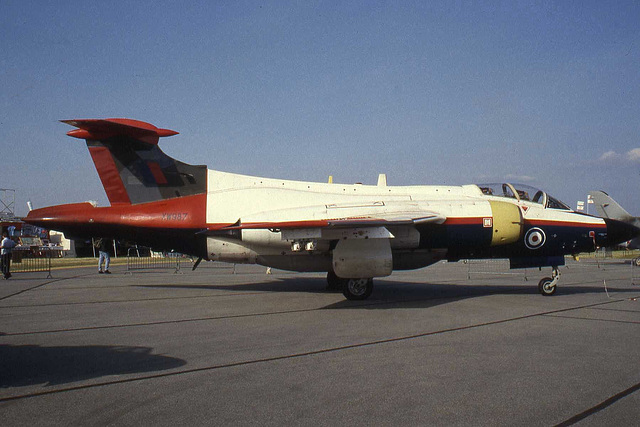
[
  {"x": 547, "y": 286},
  {"x": 334, "y": 283}
]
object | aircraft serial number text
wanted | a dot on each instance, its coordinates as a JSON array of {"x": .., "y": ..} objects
[{"x": 180, "y": 216}]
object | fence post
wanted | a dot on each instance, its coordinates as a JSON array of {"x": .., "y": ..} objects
[{"x": 49, "y": 276}]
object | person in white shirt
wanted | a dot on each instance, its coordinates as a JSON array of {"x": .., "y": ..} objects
[{"x": 5, "y": 254}]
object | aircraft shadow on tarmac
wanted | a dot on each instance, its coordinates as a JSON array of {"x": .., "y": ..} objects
[
  {"x": 27, "y": 365},
  {"x": 388, "y": 292}
]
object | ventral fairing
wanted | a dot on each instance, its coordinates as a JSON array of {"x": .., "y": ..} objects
[{"x": 354, "y": 233}]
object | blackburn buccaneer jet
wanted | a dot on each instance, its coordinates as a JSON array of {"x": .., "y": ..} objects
[{"x": 354, "y": 233}]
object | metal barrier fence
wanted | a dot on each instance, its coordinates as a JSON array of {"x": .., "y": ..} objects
[
  {"x": 153, "y": 262},
  {"x": 635, "y": 271},
  {"x": 603, "y": 257},
  {"x": 33, "y": 260},
  {"x": 603, "y": 253},
  {"x": 493, "y": 267}
]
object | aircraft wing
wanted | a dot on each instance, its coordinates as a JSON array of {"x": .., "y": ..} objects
[
  {"x": 392, "y": 220},
  {"x": 361, "y": 227},
  {"x": 319, "y": 222}
]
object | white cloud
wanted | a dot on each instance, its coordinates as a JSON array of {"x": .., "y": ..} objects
[
  {"x": 631, "y": 156},
  {"x": 520, "y": 178},
  {"x": 634, "y": 155},
  {"x": 609, "y": 155}
]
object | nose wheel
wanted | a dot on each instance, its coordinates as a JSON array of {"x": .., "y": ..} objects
[{"x": 547, "y": 286}]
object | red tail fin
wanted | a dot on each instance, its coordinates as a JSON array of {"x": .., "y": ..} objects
[{"x": 130, "y": 164}]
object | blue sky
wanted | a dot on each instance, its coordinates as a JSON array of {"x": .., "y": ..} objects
[{"x": 543, "y": 93}]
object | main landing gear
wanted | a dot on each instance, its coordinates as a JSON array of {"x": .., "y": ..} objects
[
  {"x": 357, "y": 289},
  {"x": 334, "y": 283},
  {"x": 547, "y": 286},
  {"x": 352, "y": 289}
]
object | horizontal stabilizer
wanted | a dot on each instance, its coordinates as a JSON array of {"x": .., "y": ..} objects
[{"x": 106, "y": 128}]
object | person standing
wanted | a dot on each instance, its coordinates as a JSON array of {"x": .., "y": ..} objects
[
  {"x": 5, "y": 254},
  {"x": 103, "y": 250}
]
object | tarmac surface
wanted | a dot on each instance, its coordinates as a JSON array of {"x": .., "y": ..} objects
[{"x": 453, "y": 344}]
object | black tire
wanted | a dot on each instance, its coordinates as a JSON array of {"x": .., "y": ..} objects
[
  {"x": 357, "y": 289},
  {"x": 545, "y": 288},
  {"x": 636, "y": 261},
  {"x": 334, "y": 283}
]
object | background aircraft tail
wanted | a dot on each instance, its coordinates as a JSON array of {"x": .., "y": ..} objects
[
  {"x": 131, "y": 166},
  {"x": 606, "y": 207}
]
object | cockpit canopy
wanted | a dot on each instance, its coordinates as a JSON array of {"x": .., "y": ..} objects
[{"x": 524, "y": 193}]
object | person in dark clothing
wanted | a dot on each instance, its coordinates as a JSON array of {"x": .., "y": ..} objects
[{"x": 103, "y": 246}]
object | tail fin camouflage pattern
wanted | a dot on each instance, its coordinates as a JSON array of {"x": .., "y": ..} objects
[{"x": 131, "y": 166}]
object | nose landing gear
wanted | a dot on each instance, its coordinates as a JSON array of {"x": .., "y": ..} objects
[{"x": 547, "y": 286}]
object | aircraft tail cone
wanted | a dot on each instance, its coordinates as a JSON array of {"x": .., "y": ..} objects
[{"x": 619, "y": 232}]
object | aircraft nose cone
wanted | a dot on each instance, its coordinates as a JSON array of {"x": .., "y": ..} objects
[{"x": 618, "y": 232}]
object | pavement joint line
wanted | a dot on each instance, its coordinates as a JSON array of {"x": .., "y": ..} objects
[
  {"x": 237, "y": 294},
  {"x": 307, "y": 310},
  {"x": 599, "y": 407},
  {"x": 164, "y": 322},
  {"x": 40, "y": 285},
  {"x": 237, "y": 316},
  {"x": 124, "y": 301},
  {"x": 616, "y": 309},
  {"x": 112, "y": 286},
  {"x": 307, "y": 354},
  {"x": 592, "y": 319},
  {"x": 515, "y": 290}
]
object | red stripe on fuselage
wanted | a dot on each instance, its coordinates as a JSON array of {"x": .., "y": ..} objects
[
  {"x": 533, "y": 223},
  {"x": 548, "y": 223},
  {"x": 464, "y": 221}
]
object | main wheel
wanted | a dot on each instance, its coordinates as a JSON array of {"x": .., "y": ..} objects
[
  {"x": 334, "y": 283},
  {"x": 357, "y": 289},
  {"x": 546, "y": 288}
]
